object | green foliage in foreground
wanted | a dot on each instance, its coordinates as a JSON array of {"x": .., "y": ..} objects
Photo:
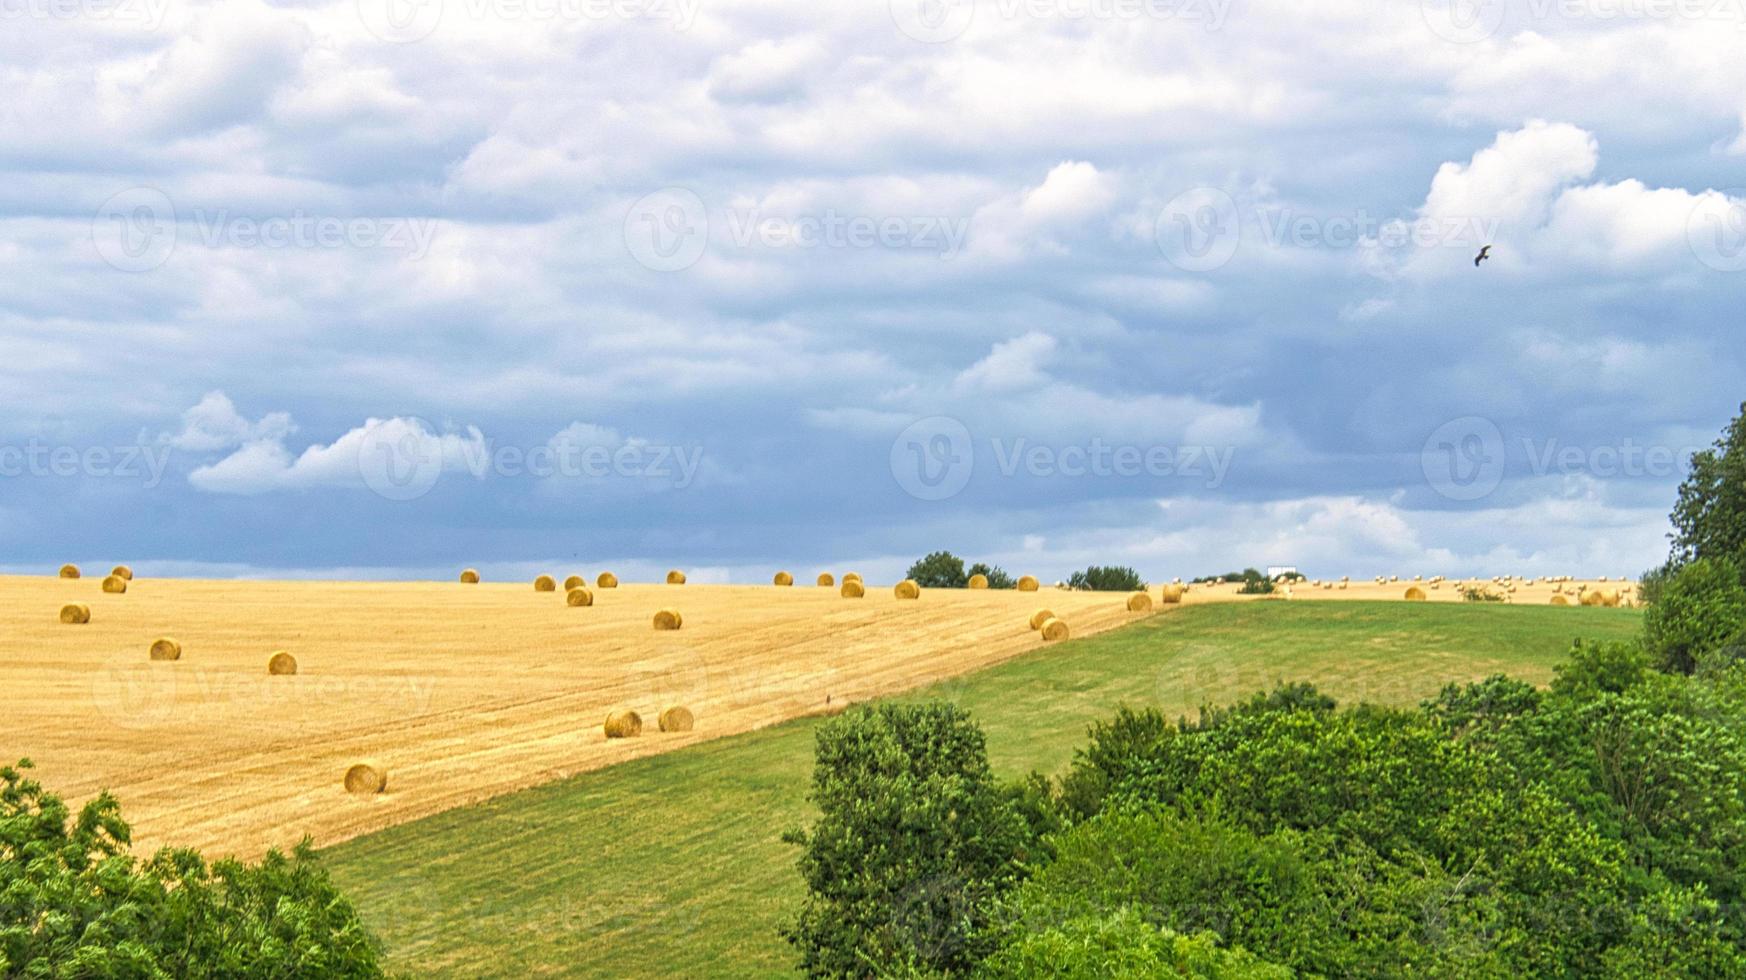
[
  {"x": 1698, "y": 616},
  {"x": 74, "y": 903},
  {"x": 1594, "y": 829}
]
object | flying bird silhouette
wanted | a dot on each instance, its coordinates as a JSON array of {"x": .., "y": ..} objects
[{"x": 1484, "y": 253}]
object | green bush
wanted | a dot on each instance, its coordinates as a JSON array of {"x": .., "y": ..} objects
[
  {"x": 997, "y": 576},
  {"x": 939, "y": 570},
  {"x": 914, "y": 837},
  {"x": 75, "y": 903},
  {"x": 1123, "y": 946},
  {"x": 1701, "y": 610},
  {"x": 1112, "y": 578}
]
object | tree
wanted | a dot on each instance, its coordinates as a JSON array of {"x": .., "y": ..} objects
[
  {"x": 939, "y": 570},
  {"x": 914, "y": 837},
  {"x": 1709, "y": 519},
  {"x": 1701, "y": 609},
  {"x": 997, "y": 576},
  {"x": 1113, "y": 578},
  {"x": 75, "y": 903}
]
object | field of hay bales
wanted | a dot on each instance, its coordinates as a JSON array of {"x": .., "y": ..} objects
[{"x": 456, "y": 692}]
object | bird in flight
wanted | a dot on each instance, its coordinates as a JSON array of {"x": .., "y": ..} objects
[{"x": 1484, "y": 253}]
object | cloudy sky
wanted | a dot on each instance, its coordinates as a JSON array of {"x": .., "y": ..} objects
[{"x": 388, "y": 287}]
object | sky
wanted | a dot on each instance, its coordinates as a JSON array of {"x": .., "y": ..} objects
[{"x": 386, "y": 288}]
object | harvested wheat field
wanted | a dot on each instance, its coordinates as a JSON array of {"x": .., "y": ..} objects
[{"x": 463, "y": 692}]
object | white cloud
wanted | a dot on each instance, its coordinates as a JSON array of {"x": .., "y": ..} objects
[
  {"x": 1017, "y": 363},
  {"x": 214, "y": 424},
  {"x": 349, "y": 461}
]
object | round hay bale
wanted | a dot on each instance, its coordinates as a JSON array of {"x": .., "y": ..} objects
[
  {"x": 623, "y": 723},
  {"x": 853, "y": 589},
  {"x": 122, "y": 571},
  {"x": 164, "y": 648},
  {"x": 574, "y": 582},
  {"x": 1040, "y": 617},
  {"x": 676, "y": 718},
  {"x": 606, "y": 580},
  {"x": 782, "y": 578},
  {"x": 281, "y": 664},
  {"x": 1592, "y": 598},
  {"x": 1611, "y": 600},
  {"x": 75, "y": 613},
  {"x": 1027, "y": 583},
  {"x": 907, "y": 589},
  {"x": 366, "y": 779},
  {"x": 69, "y": 571},
  {"x": 545, "y": 583},
  {"x": 1345, "y": 584},
  {"x": 470, "y": 576},
  {"x": 675, "y": 577},
  {"x": 1559, "y": 600},
  {"x": 1172, "y": 593},
  {"x": 825, "y": 579},
  {"x": 669, "y": 619},
  {"x": 115, "y": 585},
  {"x": 978, "y": 582},
  {"x": 1053, "y": 629},
  {"x": 1139, "y": 602},
  {"x": 853, "y": 577},
  {"x": 578, "y": 596},
  {"x": 1415, "y": 594}
]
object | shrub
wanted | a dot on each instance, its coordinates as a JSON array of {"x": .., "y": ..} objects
[
  {"x": 939, "y": 570},
  {"x": 1112, "y": 578},
  {"x": 997, "y": 576},
  {"x": 1702, "y": 607},
  {"x": 914, "y": 837},
  {"x": 75, "y": 903},
  {"x": 1123, "y": 946}
]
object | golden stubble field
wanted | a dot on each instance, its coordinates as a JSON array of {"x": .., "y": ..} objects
[{"x": 462, "y": 692}]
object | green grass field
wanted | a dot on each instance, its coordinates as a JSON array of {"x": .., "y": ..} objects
[{"x": 673, "y": 865}]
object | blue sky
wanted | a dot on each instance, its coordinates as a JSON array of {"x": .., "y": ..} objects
[{"x": 351, "y": 289}]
